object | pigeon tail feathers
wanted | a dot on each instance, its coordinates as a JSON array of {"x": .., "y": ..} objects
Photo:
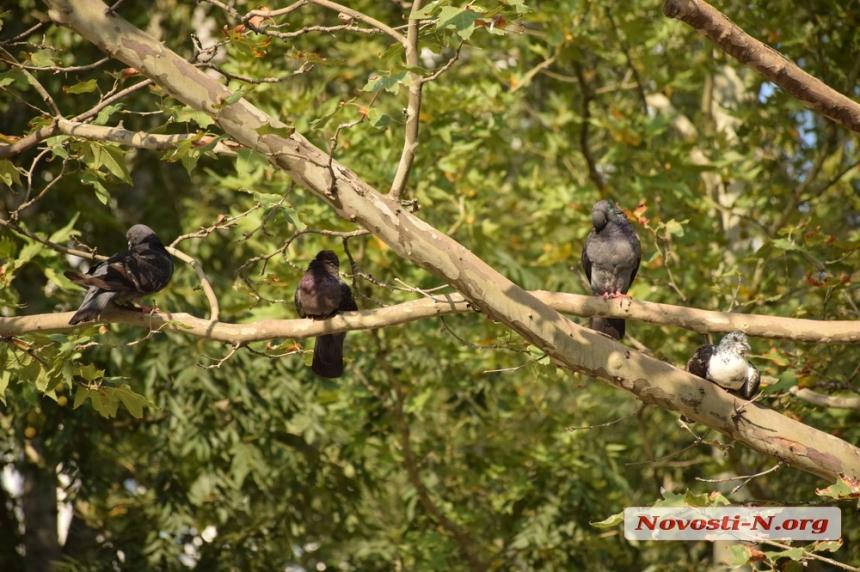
[
  {"x": 612, "y": 327},
  {"x": 328, "y": 356}
]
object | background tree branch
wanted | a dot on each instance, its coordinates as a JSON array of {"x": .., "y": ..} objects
[{"x": 760, "y": 57}]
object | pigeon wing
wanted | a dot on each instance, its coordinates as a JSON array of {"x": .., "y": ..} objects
[{"x": 698, "y": 364}]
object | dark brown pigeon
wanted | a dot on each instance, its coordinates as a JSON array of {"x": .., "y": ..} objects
[
  {"x": 610, "y": 259},
  {"x": 143, "y": 269},
  {"x": 727, "y": 365},
  {"x": 321, "y": 294}
]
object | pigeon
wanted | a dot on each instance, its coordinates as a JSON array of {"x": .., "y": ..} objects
[
  {"x": 145, "y": 268},
  {"x": 610, "y": 259},
  {"x": 727, "y": 365},
  {"x": 320, "y": 295}
]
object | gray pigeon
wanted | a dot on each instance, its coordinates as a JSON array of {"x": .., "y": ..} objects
[
  {"x": 320, "y": 295},
  {"x": 727, "y": 365},
  {"x": 610, "y": 259},
  {"x": 143, "y": 269}
]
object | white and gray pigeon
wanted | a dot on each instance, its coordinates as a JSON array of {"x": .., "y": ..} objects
[
  {"x": 320, "y": 295},
  {"x": 727, "y": 365},
  {"x": 610, "y": 259},
  {"x": 145, "y": 268}
]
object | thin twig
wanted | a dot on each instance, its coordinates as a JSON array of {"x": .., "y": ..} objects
[
  {"x": 745, "y": 478},
  {"x": 219, "y": 362},
  {"x": 608, "y": 423},
  {"x": 305, "y": 68},
  {"x": 448, "y": 65},
  {"x": 400, "y": 38},
  {"x": 31, "y": 30},
  {"x": 812, "y": 555},
  {"x": 467, "y": 344},
  {"x": 35, "y": 83},
  {"x": 12, "y": 225}
]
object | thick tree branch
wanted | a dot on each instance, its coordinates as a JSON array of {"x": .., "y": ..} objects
[
  {"x": 439, "y": 305},
  {"x": 577, "y": 348},
  {"x": 772, "y": 65},
  {"x": 138, "y": 139}
]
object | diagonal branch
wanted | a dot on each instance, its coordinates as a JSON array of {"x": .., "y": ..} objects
[{"x": 760, "y": 57}]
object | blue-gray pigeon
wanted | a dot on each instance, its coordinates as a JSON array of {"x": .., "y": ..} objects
[
  {"x": 610, "y": 259},
  {"x": 145, "y": 268},
  {"x": 727, "y": 365},
  {"x": 320, "y": 295}
]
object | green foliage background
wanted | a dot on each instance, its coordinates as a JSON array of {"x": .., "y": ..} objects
[{"x": 542, "y": 115}]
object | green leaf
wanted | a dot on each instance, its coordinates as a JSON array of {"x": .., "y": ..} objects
[
  {"x": 187, "y": 115},
  {"x": 88, "y": 86},
  {"x": 134, "y": 402},
  {"x": 610, "y": 522},
  {"x": 42, "y": 59},
  {"x": 89, "y": 372},
  {"x": 378, "y": 119},
  {"x": 269, "y": 129},
  {"x": 390, "y": 82},
  {"x": 9, "y": 174},
  {"x": 106, "y": 112},
  {"x": 233, "y": 97},
  {"x": 842, "y": 489},
  {"x": 28, "y": 253},
  {"x": 94, "y": 179},
  {"x": 249, "y": 161},
  {"x": 675, "y": 228},
  {"x": 63, "y": 234},
  {"x": 796, "y": 554},
  {"x": 5, "y": 377},
  {"x": 785, "y": 244},
  {"x": 102, "y": 400},
  {"x": 112, "y": 157},
  {"x": 428, "y": 11},
  {"x": 519, "y": 6},
  {"x": 461, "y": 19},
  {"x": 327, "y": 110},
  {"x": 189, "y": 160},
  {"x": 828, "y": 546},
  {"x": 739, "y": 554}
]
